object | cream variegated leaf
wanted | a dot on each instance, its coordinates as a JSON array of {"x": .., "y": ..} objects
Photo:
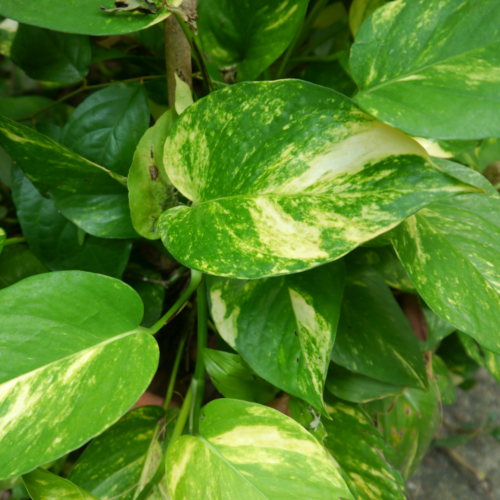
[
  {"x": 285, "y": 176},
  {"x": 283, "y": 327},
  {"x": 251, "y": 452},
  {"x": 431, "y": 67},
  {"x": 73, "y": 360}
]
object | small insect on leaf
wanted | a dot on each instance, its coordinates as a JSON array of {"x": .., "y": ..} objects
[{"x": 153, "y": 172}]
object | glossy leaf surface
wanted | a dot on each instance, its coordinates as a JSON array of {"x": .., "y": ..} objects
[
  {"x": 430, "y": 67},
  {"x": 248, "y": 451},
  {"x": 43, "y": 485},
  {"x": 359, "y": 448},
  {"x": 73, "y": 361},
  {"x": 108, "y": 125},
  {"x": 452, "y": 253},
  {"x": 283, "y": 327},
  {"x": 16, "y": 263},
  {"x": 285, "y": 176},
  {"x": 361, "y": 10},
  {"x": 89, "y": 195},
  {"x": 80, "y": 16},
  {"x": 248, "y": 34},
  {"x": 56, "y": 241},
  {"x": 374, "y": 337},
  {"x": 50, "y": 56},
  {"x": 150, "y": 190},
  {"x": 121, "y": 460},
  {"x": 234, "y": 379}
]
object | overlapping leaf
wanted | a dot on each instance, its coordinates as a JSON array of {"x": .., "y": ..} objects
[
  {"x": 374, "y": 337},
  {"x": 361, "y": 451},
  {"x": 248, "y": 34},
  {"x": 430, "y": 67},
  {"x": 73, "y": 360},
  {"x": 251, "y": 452},
  {"x": 81, "y": 16},
  {"x": 43, "y": 485},
  {"x": 119, "y": 462},
  {"x": 361, "y": 10},
  {"x": 57, "y": 242},
  {"x": 89, "y": 195},
  {"x": 285, "y": 176},
  {"x": 150, "y": 190},
  {"x": 50, "y": 56},
  {"x": 283, "y": 327},
  {"x": 233, "y": 378},
  {"x": 16, "y": 263},
  {"x": 481, "y": 355}
]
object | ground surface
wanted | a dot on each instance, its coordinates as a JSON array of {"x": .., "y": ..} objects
[{"x": 445, "y": 476}]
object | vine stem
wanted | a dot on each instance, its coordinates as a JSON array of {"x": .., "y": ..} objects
[
  {"x": 87, "y": 87},
  {"x": 13, "y": 241},
  {"x": 196, "y": 277},
  {"x": 198, "y": 380}
]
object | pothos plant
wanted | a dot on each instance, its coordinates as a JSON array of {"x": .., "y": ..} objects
[{"x": 307, "y": 202}]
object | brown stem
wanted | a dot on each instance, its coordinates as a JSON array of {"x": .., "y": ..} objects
[{"x": 178, "y": 51}]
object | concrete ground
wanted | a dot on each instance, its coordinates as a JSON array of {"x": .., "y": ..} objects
[{"x": 470, "y": 471}]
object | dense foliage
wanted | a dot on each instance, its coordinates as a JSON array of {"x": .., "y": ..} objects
[{"x": 314, "y": 211}]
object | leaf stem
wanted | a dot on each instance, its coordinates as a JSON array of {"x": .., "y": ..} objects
[
  {"x": 87, "y": 87},
  {"x": 198, "y": 380},
  {"x": 176, "y": 308},
  {"x": 13, "y": 241}
]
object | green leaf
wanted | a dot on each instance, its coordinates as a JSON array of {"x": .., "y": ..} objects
[
  {"x": 119, "y": 462},
  {"x": 43, "y": 485},
  {"x": 106, "y": 128},
  {"x": 89, "y": 195},
  {"x": 374, "y": 337},
  {"x": 55, "y": 240},
  {"x": 250, "y": 35},
  {"x": 285, "y": 176},
  {"x": 23, "y": 106},
  {"x": 73, "y": 361},
  {"x": 481, "y": 355},
  {"x": 331, "y": 75},
  {"x": 357, "y": 388},
  {"x": 16, "y": 263},
  {"x": 50, "y": 56},
  {"x": 444, "y": 381},
  {"x": 248, "y": 451},
  {"x": 150, "y": 190},
  {"x": 143, "y": 6},
  {"x": 452, "y": 253},
  {"x": 409, "y": 427},
  {"x": 359, "y": 448},
  {"x": 457, "y": 360},
  {"x": 3, "y": 237},
  {"x": 361, "y": 10},
  {"x": 305, "y": 415},
  {"x": 283, "y": 327},
  {"x": 147, "y": 283},
  {"x": 233, "y": 378},
  {"x": 489, "y": 152},
  {"x": 183, "y": 95},
  {"x": 430, "y": 67},
  {"x": 437, "y": 329},
  {"x": 445, "y": 149},
  {"x": 81, "y": 16}
]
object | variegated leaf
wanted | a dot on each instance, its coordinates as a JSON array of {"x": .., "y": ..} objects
[
  {"x": 119, "y": 462},
  {"x": 442, "y": 376},
  {"x": 361, "y": 10},
  {"x": 234, "y": 379},
  {"x": 481, "y": 355},
  {"x": 285, "y": 176},
  {"x": 43, "y": 485},
  {"x": 437, "y": 329},
  {"x": 374, "y": 338},
  {"x": 150, "y": 190},
  {"x": 283, "y": 327},
  {"x": 248, "y": 35},
  {"x": 3, "y": 237},
  {"x": 451, "y": 251},
  {"x": 81, "y": 16},
  {"x": 251, "y": 452},
  {"x": 73, "y": 360},
  {"x": 431, "y": 67},
  {"x": 361, "y": 451},
  {"x": 89, "y": 195}
]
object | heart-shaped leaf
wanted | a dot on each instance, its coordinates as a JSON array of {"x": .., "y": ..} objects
[
  {"x": 283, "y": 327},
  {"x": 81, "y": 16},
  {"x": 73, "y": 360},
  {"x": 430, "y": 67},
  {"x": 89, "y": 195},
  {"x": 251, "y": 452},
  {"x": 285, "y": 176}
]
